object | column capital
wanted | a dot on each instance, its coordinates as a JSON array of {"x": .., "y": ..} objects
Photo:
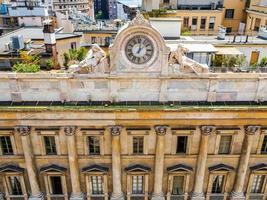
[
  {"x": 161, "y": 129},
  {"x": 115, "y": 130},
  {"x": 69, "y": 130},
  {"x": 207, "y": 130},
  {"x": 251, "y": 129},
  {"x": 23, "y": 130}
]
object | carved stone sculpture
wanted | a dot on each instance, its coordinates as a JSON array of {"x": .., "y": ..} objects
[
  {"x": 182, "y": 64},
  {"x": 96, "y": 61}
]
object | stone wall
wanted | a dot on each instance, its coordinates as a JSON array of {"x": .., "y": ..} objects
[{"x": 78, "y": 87}]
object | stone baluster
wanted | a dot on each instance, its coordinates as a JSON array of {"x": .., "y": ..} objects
[
  {"x": 117, "y": 193},
  {"x": 197, "y": 193},
  {"x": 73, "y": 163},
  {"x": 24, "y": 132},
  {"x": 159, "y": 163},
  {"x": 237, "y": 193}
]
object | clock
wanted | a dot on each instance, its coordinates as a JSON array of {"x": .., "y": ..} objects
[{"x": 139, "y": 49}]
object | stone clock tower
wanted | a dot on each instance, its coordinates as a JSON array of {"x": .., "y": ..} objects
[{"x": 139, "y": 49}]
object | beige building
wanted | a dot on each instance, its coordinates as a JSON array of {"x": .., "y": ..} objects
[{"x": 256, "y": 15}]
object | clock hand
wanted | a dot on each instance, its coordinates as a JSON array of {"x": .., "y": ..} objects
[{"x": 139, "y": 50}]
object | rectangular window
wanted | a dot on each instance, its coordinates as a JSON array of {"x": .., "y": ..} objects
[
  {"x": 225, "y": 144},
  {"x": 178, "y": 185},
  {"x": 94, "y": 40},
  {"x": 56, "y": 185},
  {"x": 137, "y": 184},
  {"x": 181, "y": 144},
  {"x": 73, "y": 45},
  {"x": 194, "y": 21},
  {"x": 257, "y": 185},
  {"x": 264, "y": 145},
  {"x": 203, "y": 23},
  {"x": 6, "y": 145},
  {"x": 15, "y": 185},
  {"x": 97, "y": 184},
  {"x": 186, "y": 22},
  {"x": 50, "y": 145},
  {"x": 229, "y": 13},
  {"x": 211, "y": 23},
  {"x": 138, "y": 145},
  {"x": 217, "y": 185},
  {"x": 94, "y": 145}
]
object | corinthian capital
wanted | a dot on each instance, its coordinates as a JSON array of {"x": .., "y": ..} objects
[
  {"x": 251, "y": 129},
  {"x": 161, "y": 130},
  {"x": 23, "y": 130},
  {"x": 115, "y": 130},
  {"x": 207, "y": 130},
  {"x": 69, "y": 130}
]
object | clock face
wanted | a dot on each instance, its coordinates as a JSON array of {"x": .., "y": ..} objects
[{"x": 139, "y": 49}]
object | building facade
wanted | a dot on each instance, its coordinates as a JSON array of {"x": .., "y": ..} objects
[{"x": 256, "y": 15}]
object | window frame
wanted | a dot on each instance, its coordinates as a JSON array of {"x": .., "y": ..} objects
[
  {"x": 137, "y": 132},
  {"x": 250, "y": 183},
  {"x": 49, "y": 132},
  {"x": 89, "y": 187},
  {"x": 138, "y": 146},
  {"x": 263, "y": 134},
  {"x": 212, "y": 174},
  {"x": 9, "y": 133},
  {"x": 48, "y": 187},
  {"x": 232, "y": 14},
  {"x": 185, "y": 136},
  {"x": 189, "y": 132},
  {"x": 50, "y": 136},
  {"x": 171, "y": 175},
  {"x": 7, "y": 187},
  {"x": 96, "y": 148},
  {"x": 226, "y": 132},
  {"x": 93, "y": 132}
]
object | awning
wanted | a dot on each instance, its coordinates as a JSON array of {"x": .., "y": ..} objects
[
  {"x": 228, "y": 51},
  {"x": 195, "y": 48}
]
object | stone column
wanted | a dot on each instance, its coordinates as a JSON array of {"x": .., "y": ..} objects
[
  {"x": 73, "y": 163},
  {"x": 117, "y": 193},
  {"x": 197, "y": 193},
  {"x": 237, "y": 193},
  {"x": 24, "y": 132},
  {"x": 159, "y": 163}
]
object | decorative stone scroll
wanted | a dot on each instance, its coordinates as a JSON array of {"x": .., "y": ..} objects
[
  {"x": 251, "y": 129},
  {"x": 23, "y": 130},
  {"x": 161, "y": 130},
  {"x": 69, "y": 130},
  {"x": 115, "y": 130},
  {"x": 207, "y": 130}
]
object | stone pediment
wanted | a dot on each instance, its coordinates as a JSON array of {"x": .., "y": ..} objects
[{"x": 139, "y": 20}]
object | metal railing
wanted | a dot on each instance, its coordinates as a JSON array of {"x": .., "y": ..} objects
[
  {"x": 250, "y": 69},
  {"x": 256, "y": 197}
]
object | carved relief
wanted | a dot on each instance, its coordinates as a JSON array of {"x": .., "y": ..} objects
[
  {"x": 207, "y": 130},
  {"x": 161, "y": 130},
  {"x": 96, "y": 61},
  {"x": 179, "y": 63},
  {"x": 115, "y": 130},
  {"x": 69, "y": 130},
  {"x": 23, "y": 130},
  {"x": 251, "y": 130},
  {"x": 139, "y": 20}
]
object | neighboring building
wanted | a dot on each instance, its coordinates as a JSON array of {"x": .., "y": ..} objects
[
  {"x": 139, "y": 131},
  {"x": 22, "y": 13},
  {"x": 85, "y": 6},
  {"x": 101, "y": 6},
  {"x": 204, "y": 17},
  {"x": 112, "y": 9},
  {"x": 34, "y": 40},
  {"x": 256, "y": 15}
]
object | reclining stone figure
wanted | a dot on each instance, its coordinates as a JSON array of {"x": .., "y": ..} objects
[
  {"x": 96, "y": 61},
  {"x": 182, "y": 64}
]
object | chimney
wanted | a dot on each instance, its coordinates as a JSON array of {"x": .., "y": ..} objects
[{"x": 50, "y": 41}]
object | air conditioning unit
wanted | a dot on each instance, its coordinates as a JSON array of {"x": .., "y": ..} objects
[{"x": 17, "y": 42}]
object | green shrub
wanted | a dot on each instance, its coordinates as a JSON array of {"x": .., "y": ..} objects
[
  {"x": 49, "y": 64},
  {"x": 74, "y": 55},
  {"x": 263, "y": 62},
  {"x": 26, "y": 68}
]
